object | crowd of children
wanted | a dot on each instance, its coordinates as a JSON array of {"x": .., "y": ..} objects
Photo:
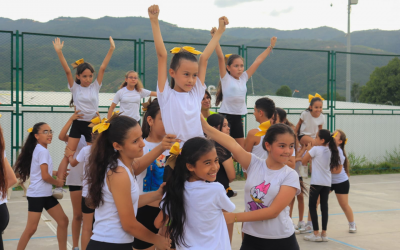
[{"x": 164, "y": 184}]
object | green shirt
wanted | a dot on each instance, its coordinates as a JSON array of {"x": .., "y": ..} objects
[{"x": 211, "y": 113}]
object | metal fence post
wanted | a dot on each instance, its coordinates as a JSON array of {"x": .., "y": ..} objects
[{"x": 17, "y": 115}]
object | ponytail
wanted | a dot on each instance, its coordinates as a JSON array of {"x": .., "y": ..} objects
[
  {"x": 326, "y": 135},
  {"x": 152, "y": 110},
  {"x": 23, "y": 164},
  {"x": 343, "y": 138},
  {"x": 3, "y": 176}
]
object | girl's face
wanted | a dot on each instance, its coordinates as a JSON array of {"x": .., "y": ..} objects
[
  {"x": 86, "y": 78},
  {"x": 185, "y": 75},
  {"x": 44, "y": 135},
  {"x": 319, "y": 141},
  {"x": 236, "y": 68},
  {"x": 206, "y": 168},
  {"x": 337, "y": 138},
  {"x": 282, "y": 148},
  {"x": 206, "y": 102},
  {"x": 156, "y": 125},
  {"x": 316, "y": 109},
  {"x": 133, "y": 145},
  {"x": 225, "y": 127},
  {"x": 132, "y": 79}
]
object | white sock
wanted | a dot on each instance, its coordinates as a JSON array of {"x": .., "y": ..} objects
[{"x": 352, "y": 224}]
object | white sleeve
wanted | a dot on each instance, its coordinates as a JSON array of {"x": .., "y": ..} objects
[
  {"x": 303, "y": 115},
  {"x": 96, "y": 85},
  {"x": 313, "y": 152},
  {"x": 117, "y": 97},
  {"x": 222, "y": 200},
  {"x": 81, "y": 156},
  {"x": 254, "y": 165},
  {"x": 245, "y": 77},
  {"x": 163, "y": 96},
  {"x": 341, "y": 156},
  {"x": 73, "y": 87},
  {"x": 199, "y": 89},
  {"x": 292, "y": 180},
  {"x": 5, "y": 156},
  {"x": 144, "y": 93},
  {"x": 322, "y": 117},
  {"x": 43, "y": 157}
]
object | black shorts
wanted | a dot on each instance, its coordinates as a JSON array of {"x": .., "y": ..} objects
[
  {"x": 74, "y": 188},
  {"x": 97, "y": 245},
  {"x": 85, "y": 208},
  {"x": 79, "y": 128},
  {"x": 299, "y": 137},
  {"x": 301, "y": 178},
  {"x": 235, "y": 124},
  {"x": 254, "y": 243},
  {"x": 36, "y": 204},
  {"x": 146, "y": 216},
  {"x": 341, "y": 188}
]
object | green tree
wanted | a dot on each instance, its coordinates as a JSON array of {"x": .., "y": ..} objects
[
  {"x": 383, "y": 85},
  {"x": 355, "y": 92},
  {"x": 284, "y": 91}
]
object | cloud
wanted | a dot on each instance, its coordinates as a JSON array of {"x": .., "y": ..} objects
[
  {"x": 229, "y": 3},
  {"x": 278, "y": 13}
]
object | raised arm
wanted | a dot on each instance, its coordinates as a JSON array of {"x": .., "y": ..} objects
[
  {"x": 223, "y": 21},
  {"x": 58, "y": 45},
  {"x": 250, "y": 71},
  {"x": 106, "y": 60},
  {"x": 220, "y": 55},
  {"x": 241, "y": 156},
  {"x": 63, "y": 136},
  {"x": 162, "y": 55}
]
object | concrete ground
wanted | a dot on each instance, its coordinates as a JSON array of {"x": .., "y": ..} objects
[{"x": 375, "y": 200}]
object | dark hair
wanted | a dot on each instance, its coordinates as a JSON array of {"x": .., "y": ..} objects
[
  {"x": 23, "y": 164},
  {"x": 79, "y": 70},
  {"x": 326, "y": 135},
  {"x": 208, "y": 94},
  {"x": 228, "y": 62},
  {"x": 283, "y": 117},
  {"x": 173, "y": 202},
  {"x": 315, "y": 99},
  {"x": 266, "y": 105},
  {"x": 343, "y": 139},
  {"x": 216, "y": 121},
  {"x": 176, "y": 61},
  {"x": 152, "y": 110},
  {"x": 3, "y": 176},
  {"x": 103, "y": 157}
]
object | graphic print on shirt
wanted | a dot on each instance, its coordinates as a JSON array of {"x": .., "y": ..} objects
[
  {"x": 154, "y": 175},
  {"x": 257, "y": 193}
]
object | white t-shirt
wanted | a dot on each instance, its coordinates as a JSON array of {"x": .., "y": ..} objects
[
  {"x": 2, "y": 201},
  {"x": 310, "y": 124},
  {"x": 342, "y": 176},
  {"x": 83, "y": 158},
  {"x": 205, "y": 226},
  {"x": 130, "y": 101},
  {"x": 321, "y": 170},
  {"x": 234, "y": 94},
  {"x": 158, "y": 163},
  {"x": 259, "y": 151},
  {"x": 38, "y": 187},
  {"x": 180, "y": 111},
  {"x": 86, "y": 99},
  {"x": 76, "y": 173},
  {"x": 261, "y": 188},
  {"x": 107, "y": 226}
]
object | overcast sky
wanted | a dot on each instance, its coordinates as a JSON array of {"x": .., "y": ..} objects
[{"x": 203, "y": 14}]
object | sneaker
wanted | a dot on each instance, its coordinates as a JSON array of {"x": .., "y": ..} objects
[
  {"x": 313, "y": 237},
  {"x": 324, "y": 238},
  {"x": 352, "y": 228},
  {"x": 58, "y": 193},
  {"x": 306, "y": 229},
  {"x": 301, "y": 225},
  {"x": 296, "y": 231},
  {"x": 295, "y": 226},
  {"x": 234, "y": 194}
]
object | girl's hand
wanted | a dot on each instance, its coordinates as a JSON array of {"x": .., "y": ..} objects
[
  {"x": 161, "y": 190},
  {"x": 309, "y": 146},
  {"x": 223, "y": 21},
  {"x": 68, "y": 152},
  {"x": 76, "y": 115},
  {"x": 59, "y": 182},
  {"x": 153, "y": 11},
  {"x": 58, "y": 45},
  {"x": 229, "y": 218},
  {"x": 168, "y": 141},
  {"x": 163, "y": 243},
  {"x": 273, "y": 41},
  {"x": 213, "y": 30},
  {"x": 112, "y": 44}
]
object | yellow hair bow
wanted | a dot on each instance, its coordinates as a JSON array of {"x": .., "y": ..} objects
[
  {"x": 30, "y": 130},
  {"x": 146, "y": 105},
  {"x": 101, "y": 127},
  {"x": 345, "y": 141},
  {"x": 310, "y": 97},
  {"x": 77, "y": 63},
  {"x": 335, "y": 134},
  {"x": 0, "y": 115},
  {"x": 174, "y": 152},
  {"x": 187, "y": 48},
  {"x": 263, "y": 128},
  {"x": 227, "y": 56},
  {"x": 116, "y": 112}
]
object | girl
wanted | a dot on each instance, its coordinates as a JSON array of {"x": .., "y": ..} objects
[
  {"x": 311, "y": 121},
  {"x": 194, "y": 203},
  {"x": 129, "y": 94},
  {"x": 35, "y": 162},
  {"x": 206, "y": 105},
  {"x": 270, "y": 187},
  {"x": 180, "y": 102},
  {"x": 325, "y": 158},
  {"x": 113, "y": 190},
  {"x": 340, "y": 180},
  {"x": 85, "y": 97},
  {"x": 232, "y": 87},
  {"x": 74, "y": 181},
  {"x": 150, "y": 177},
  {"x": 7, "y": 180}
]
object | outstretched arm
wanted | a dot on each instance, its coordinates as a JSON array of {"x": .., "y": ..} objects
[
  {"x": 220, "y": 55},
  {"x": 250, "y": 71},
  {"x": 106, "y": 61},
  {"x": 162, "y": 55},
  {"x": 223, "y": 21},
  {"x": 63, "y": 133},
  {"x": 58, "y": 45}
]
